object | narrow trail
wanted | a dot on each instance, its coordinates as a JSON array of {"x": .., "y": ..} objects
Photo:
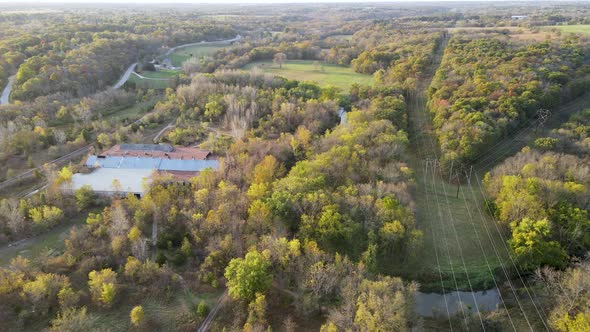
[{"x": 218, "y": 305}]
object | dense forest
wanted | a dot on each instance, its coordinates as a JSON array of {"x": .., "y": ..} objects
[
  {"x": 322, "y": 213},
  {"x": 488, "y": 86}
]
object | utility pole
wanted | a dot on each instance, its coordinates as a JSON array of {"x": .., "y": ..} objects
[
  {"x": 542, "y": 116},
  {"x": 458, "y": 185}
]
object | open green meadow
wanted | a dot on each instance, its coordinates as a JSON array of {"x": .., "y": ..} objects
[
  {"x": 578, "y": 28},
  {"x": 305, "y": 70},
  {"x": 162, "y": 73},
  {"x": 182, "y": 54},
  {"x": 148, "y": 83}
]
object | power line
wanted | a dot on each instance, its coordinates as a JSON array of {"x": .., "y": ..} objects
[
  {"x": 506, "y": 274},
  {"x": 452, "y": 220},
  {"x": 426, "y": 166},
  {"x": 512, "y": 259},
  {"x": 440, "y": 217},
  {"x": 484, "y": 255}
]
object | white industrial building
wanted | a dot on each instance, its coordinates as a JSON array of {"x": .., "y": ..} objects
[{"x": 130, "y": 168}]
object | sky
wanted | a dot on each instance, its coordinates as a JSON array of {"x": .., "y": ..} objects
[{"x": 217, "y": 1}]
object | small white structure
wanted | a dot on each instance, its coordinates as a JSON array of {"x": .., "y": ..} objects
[
  {"x": 519, "y": 17},
  {"x": 112, "y": 181}
]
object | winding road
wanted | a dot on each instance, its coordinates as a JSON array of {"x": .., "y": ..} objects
[
  {"x": 131, "y": 68},
  {"x": 125, "y": 76},
  {"x": 5, "y": 99}
]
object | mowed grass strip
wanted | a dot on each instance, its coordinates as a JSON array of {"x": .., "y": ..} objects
[
  {"x": 577, "y": 28},
  {"x": 162, "y": 73},
  {"x": 198, "y": 51},
  {"x": 150, "y": 84},
  {"x": 456, "y": 215},
  {"x": 305, "y": 70}
]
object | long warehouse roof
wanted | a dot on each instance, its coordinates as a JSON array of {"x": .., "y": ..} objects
[{"x": 160, "y": 164}]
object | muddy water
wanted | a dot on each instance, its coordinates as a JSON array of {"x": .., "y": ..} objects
[{"x": 433, "y": 304}]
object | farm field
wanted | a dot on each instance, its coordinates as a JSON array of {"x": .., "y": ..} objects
[
  {"x": 304, "y": 70},
  {"x": 578, "y": 28},
  {"x": 181, "y": 55}
]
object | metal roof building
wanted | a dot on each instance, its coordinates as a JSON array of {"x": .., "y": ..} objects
[
  {"x": 160, "y": 164},
  {"x": 131, "y": 167},
  {"x": 110, "y": 181}
]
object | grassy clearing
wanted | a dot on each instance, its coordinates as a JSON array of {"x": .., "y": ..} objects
[
  {"x": 131, "y": 113},
  {"x": 163, "y": 73},
  {"x": 305, "y": 70},
  {"x": 160, "y": 312},
  {"x": 181, "y": 55},
  {"x": 53, "y": 240},
  {"x": 454, "y": 230},
  {"x": 150, "y": 84},
  {"x": 579, "y": 28},
  {"x": 453, "y": 227},
  {"x": 340, "y": 37}
]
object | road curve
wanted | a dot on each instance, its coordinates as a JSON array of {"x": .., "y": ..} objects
[
  {"x": 131, "y": 68},
  {"x": 125, "y": 76},
  {"x": 5, "y": 99}
]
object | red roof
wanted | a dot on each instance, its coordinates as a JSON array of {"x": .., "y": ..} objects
[
  {"x": 180, "y": 175},
  {"x": 181, "y": 153}
]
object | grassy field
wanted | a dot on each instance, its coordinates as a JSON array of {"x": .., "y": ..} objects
[
  {"x": 162, "y": 73},
  {"x": 159, "y": 311},
  {"x": 132, "y": 113},
  {"x": 52, "y": 240},
  {"x": 580, "y": 28},
  {"x": 304, "y": 70},
  {"x": 151, "y": 84},
  {"x": 181, "y": 55}
]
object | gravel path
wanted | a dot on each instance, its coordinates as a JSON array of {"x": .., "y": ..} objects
[
  {"x": 125, "y": 76},
  {"x": 4, "y": 100}
]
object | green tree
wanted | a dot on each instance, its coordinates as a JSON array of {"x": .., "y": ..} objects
[
  {"x": 202, "y": 309},
  {"x": 85, "y": 197},
  {"x": 249, "y": 275},
  {"x": 213, "y": 110},
  {"x": 256, "y": 314},
  {"x": 137, "y": 315},
  {"x": 384, "y": 305},
  {"x": 102, "y": 286},
  {"x": 531, "y": 245},
  {"x": 68, "y": 297},
  {"x": 107, "y": 294}
]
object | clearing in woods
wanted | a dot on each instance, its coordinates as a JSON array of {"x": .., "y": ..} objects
[
  {"x": 458, "y": 239},
  {"x": 578, "y": 28},
  {"x": 305, "y": 70},
  {"x": 198, "y": 51},
  {"x": 152, "y": 82}
]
